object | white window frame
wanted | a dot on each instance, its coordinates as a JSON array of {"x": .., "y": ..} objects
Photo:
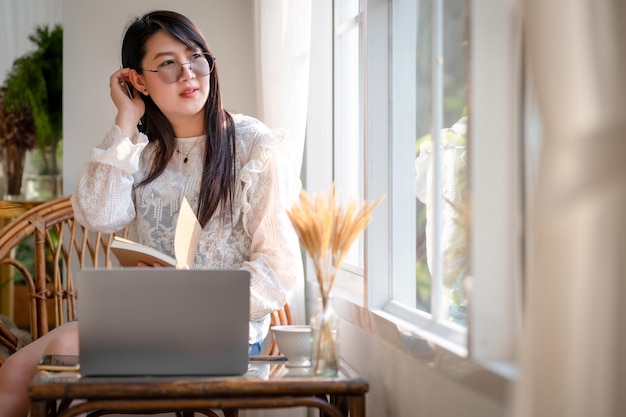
[
  {"x": 498, "y": 186},
  {"x": 395, "y": 298}
]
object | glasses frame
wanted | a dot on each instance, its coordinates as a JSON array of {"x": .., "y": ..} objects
[{"x": 209, "y": 58}]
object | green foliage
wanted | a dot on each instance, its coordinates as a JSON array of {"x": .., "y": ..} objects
[
  {"x": 35, "y": 81},
  {"x": 423, "y": 283}
]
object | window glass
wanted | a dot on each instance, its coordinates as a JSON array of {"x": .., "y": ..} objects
[
  {"x": 441, "y": 159},
  {"x": 400, "y": 122},
  {"x": 348, "y": 143}
]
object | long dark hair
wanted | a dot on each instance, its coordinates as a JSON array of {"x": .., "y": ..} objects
[{"x": 218, "y": 172}]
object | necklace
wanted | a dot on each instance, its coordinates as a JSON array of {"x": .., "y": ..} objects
[{"x": 186, "y": 155}]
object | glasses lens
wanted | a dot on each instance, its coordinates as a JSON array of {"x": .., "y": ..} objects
[
  {"x": 169, "y": 74},
  {"x": 201, "y": 65}
]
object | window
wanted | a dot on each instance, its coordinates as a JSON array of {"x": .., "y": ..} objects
[
  {"x": 429, "y": 173},
  {"x": 430, "y": 123},
  {"x": 426, "y": 108},
  {"x": 348, "y": 122}
]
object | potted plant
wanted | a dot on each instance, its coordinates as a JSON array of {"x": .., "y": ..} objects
[
  {"x": 35, "y": 82},
  {"x": 17, "y": 135}
]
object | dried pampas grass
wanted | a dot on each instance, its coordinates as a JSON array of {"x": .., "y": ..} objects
[{"x": 327, "y": 230}]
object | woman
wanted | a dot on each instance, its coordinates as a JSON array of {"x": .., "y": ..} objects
[{"x": 173, "y": 139}]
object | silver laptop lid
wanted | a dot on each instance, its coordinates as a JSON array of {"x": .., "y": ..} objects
[{"x": 163, "y": 321}]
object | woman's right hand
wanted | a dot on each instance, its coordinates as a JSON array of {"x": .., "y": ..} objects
[{"x": 129, "y": 110}]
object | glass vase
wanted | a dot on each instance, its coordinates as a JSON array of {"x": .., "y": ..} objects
[
  {"x": 13, "y": 165},
  {"x": 42, "y": 178},
  {"x": 324, "y": 325}
]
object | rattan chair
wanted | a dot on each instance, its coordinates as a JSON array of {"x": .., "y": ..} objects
[{"x": 62, "y": 247}]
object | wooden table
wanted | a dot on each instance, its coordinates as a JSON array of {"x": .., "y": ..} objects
[{"x": 267, "y": 384}]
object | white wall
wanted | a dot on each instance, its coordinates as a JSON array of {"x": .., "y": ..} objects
[
  {"x": 91, "y": 53},
  {"x": 415, "y": 378}
]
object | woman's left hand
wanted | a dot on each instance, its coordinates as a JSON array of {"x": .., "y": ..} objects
[{"x": 129, "y": 109}]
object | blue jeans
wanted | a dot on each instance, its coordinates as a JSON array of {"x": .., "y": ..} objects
[{"x": 254, "y": 349}]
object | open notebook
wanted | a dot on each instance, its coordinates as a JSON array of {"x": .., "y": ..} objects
[{"x": 163, "y": 321}]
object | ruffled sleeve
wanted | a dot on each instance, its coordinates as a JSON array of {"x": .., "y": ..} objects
[
  {"x": 270, "y": 188},
  {"x": 102, "y": 199}
]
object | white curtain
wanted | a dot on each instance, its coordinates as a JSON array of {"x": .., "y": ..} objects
[
  {"x": 283, "y": 37},
  {"x": 18, "y": 20},
  {"x": 282, "y": 33},
  {"x": 572, "y": 361}
]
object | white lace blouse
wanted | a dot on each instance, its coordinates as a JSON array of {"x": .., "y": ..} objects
[{"x": 258, "y": 237}]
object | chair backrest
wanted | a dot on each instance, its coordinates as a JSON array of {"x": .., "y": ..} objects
[{"x": 61, "y": 247}]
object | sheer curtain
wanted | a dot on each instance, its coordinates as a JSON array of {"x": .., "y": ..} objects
[
  {"x": 18, "y": 20},
  {"x": 575, "y": 338},
  {"x": 283, "y": 37}
]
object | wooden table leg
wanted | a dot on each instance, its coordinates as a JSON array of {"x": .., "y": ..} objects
[
  {"x": 357, "y": 406},
  {"x": 38, "y": 409}
]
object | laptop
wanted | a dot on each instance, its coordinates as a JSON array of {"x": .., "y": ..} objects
[{"x": 163, "y": 321}]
